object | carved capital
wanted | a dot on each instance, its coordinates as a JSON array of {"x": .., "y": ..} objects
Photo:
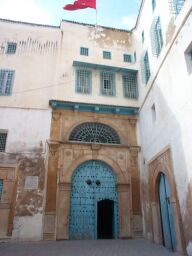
[
  {"x": 64, "y": 186},
  {"x": 56, "y": 116},
  {"x": 53, "y": 148},
  {"x": 123, "y": 187},
  {"x": 132, "y": 122}
]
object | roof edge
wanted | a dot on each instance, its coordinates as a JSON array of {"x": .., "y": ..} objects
[{"x": 28, "y": 23}]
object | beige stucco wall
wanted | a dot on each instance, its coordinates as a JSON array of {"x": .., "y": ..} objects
[{"x": 43, "y": 62}]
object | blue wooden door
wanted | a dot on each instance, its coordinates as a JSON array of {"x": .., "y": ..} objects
[
  {"x": 92, "y": 182},
  {"x": 167, "y": 218}
]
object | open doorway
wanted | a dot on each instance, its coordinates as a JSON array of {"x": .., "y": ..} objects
[{"x": 105, "y": 219}]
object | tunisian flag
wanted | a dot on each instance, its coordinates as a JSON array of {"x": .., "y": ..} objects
[{"x": 80, "y": 4}]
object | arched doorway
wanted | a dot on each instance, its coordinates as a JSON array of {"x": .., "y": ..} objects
[
  {"x": 93, "y": 189},
  {"x": 166, "y": 213}
]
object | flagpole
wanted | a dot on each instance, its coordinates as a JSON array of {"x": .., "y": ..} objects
[{"x": 96, "y": 20}]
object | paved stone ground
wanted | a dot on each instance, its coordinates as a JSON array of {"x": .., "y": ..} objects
[{"x": 139, "y": 247}]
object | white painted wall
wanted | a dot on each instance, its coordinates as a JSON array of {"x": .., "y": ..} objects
[
  {"x": 28, "y": 129},
  {"x": 169, "y": 88}
]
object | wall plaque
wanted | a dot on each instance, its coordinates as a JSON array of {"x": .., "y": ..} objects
[{"x": 31, "y": 182}]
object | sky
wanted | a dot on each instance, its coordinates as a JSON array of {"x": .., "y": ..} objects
[{"x": 110, "y": 13}]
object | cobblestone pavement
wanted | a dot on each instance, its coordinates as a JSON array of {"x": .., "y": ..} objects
[{"x": 139, "y": 247}]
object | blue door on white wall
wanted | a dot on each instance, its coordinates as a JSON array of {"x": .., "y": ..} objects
[
  {"x": 94, "y": 202},
  {"x": 167, "y": 219}
]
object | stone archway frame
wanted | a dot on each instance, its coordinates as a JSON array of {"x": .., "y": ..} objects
[
  {"x": 162, "y": 163},
  {"x": 96, "y": 120},
  {"x": 124, "y": 197}
]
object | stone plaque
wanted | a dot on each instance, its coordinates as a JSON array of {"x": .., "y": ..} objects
[{"x": 31, "y": 182}]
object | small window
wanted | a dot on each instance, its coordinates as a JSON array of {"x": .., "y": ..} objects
[
  {"x": 143, "y": 37},
  {"x": 1, "y": 188},
  {"x": 130, "y": 85},
  {"x": 153, "y": 4},
  {"x": 11, "y": 48},
  {"x": 127, "y": 58},
  {"x": 107, "y": 84},
  {"x": 156, "y": 36},
  {"x": 106, "y": 55},
  {"x": 3, "y": 139},
  {"x": 153, "y": 112},
  {"x": 6, "y": 81},
  {"x": 188, "y": 58},
  {"x": 83, "y": 81},
  {"x": 135, "y": 56},
  {"x": 145, "y": 68},
  {"x": 84, "y": 51},
  {"x": 176, "y": 6}
]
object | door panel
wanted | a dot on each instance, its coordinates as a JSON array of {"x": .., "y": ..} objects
[
  {"x": 167, "y": 219},
  {"x": 92, "y": 182}
]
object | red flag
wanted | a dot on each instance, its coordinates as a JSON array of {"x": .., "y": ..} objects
[{"x": 80, "y": 4}]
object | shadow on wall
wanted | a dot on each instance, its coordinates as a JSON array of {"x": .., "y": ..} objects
[{"x": 166, "y": 128}]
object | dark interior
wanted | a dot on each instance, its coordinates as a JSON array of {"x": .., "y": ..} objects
[{"x": 105, "y": 216}]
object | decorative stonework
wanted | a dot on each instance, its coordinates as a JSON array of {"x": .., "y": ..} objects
[{"x": 65, "y": 156}]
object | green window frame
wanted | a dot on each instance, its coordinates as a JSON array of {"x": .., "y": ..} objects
[
  {"x": 6, "y": 82},
  {"x": 3, "y": 140},
  {"x": 156, "y": 36},
  {"x": 130, "y": 85},
  {"x": 107, "y": 55},
  {"x": 145, "y": 68},
  {"x": 108, "y": 84},
  {"x": 176, "y": 6},
  {"x": 153, "y": 4},
  {"x": 83, "y": 81},
  {"x": 127, "y": 58},
  {"x": 11, "y": 48},
  {"x": 84, "y": 51}
]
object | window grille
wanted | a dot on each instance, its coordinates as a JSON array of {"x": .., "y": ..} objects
[
  {"x": 1, "y": 188},
  {"x": 176, "y": 6},
  {"x": 190, "y": 56},
  {"x": 83, "y": 81},
  {"x": 130, "y": 85},
  {"x": 106, "y": 55},
  {"x": 153, "y": 111},
  {"x": 127, "y": 58},
  {"x": 84, "y": 51},
  {"x": 145, "y": 68},
  {"x": 107, "y": 84},
  {"x": 156, "y": 37},
  {"x": 94, "y": 133},
  {"x": 153, "y": 4},
  {"x": 3, "y": 138},
  {"x": 6, "y": 81},
  {"x": 11, "y": 48},
  {"x": 143, "y": 37}
]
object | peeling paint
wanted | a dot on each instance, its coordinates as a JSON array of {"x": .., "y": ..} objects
[
  {"x": 30, "y": 202},
  {"x": 110, "y": 38}
]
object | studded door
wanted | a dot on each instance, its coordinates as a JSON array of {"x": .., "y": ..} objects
[{"x": 92, "y": 182}]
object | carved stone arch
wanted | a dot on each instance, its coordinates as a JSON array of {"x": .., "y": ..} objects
[
  {"x": 91, "y": 120},
  {"x": 113, "y": 165},
  {"x": 162, "y": 163}
]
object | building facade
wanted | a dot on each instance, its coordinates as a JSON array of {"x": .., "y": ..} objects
[{"x": 95, "y": 129}]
